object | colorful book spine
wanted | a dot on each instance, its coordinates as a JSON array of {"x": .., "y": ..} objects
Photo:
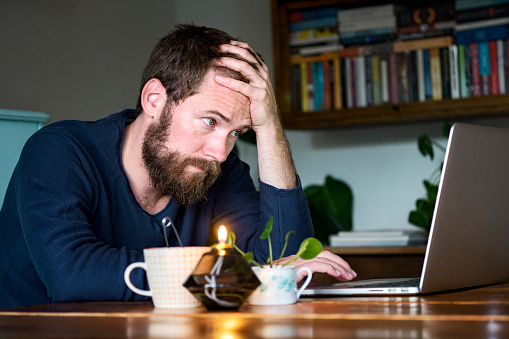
[
  {"x": 445, "y": 72},
  {"x": 454, "y": 69},
  {"x": 476, "y": 75},
  {"x": 493, "y": 67},
  {"x": 384, "y": 80},
  {"x": 421, "y": 92},
  {"x": 377, "y": 82},
  {"x": 436, "y": 75},
  {"x": 338, "y": 98},
  {"x": 304, "y": 86},
  {"x": 428, "y": 93},
  {"x": 482, "y": 34},
  {"x": 462, "y": 72},
  {"x": 393, "y": 66},
  {"x": 501, "y": 63},
  {"x": 360, "y": 82},
  {"x": 484, "y": 68}
]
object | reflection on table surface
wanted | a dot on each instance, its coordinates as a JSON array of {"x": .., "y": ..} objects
[{"x": 476, "y": 313}]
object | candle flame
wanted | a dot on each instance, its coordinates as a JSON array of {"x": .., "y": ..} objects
[{"x": 222, "y": 234}]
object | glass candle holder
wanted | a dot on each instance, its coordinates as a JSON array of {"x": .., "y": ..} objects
[{"x": 222, "y": 279}]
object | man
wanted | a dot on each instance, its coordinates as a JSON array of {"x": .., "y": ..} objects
[{"x": 87, "y": 197}]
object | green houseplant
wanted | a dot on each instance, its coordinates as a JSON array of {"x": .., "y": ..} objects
[
  {"x": 309, "y": 248},
  {"x": 422, "y": 215},
  {"x": 331, "y": 207}
]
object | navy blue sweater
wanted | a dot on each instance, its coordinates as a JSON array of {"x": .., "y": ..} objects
[{"x": 70, "y": 224}]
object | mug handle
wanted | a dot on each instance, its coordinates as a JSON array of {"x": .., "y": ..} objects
[
  {"x": 127, "y": 278},
  {"x": 306, "y": 283}
]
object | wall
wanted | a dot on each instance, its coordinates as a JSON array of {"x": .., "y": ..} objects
[{"x": 82, "y": 59}]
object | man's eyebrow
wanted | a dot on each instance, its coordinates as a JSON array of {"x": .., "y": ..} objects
[{"x": 225, "y": 118}]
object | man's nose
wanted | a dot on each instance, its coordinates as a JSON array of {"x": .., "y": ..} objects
[{"x": 217, "y": 148}]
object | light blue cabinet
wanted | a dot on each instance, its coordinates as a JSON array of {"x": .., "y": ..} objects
[{"x": 15, "y": 129}]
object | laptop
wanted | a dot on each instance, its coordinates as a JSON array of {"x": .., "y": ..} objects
[{"x": 468, "y": 244}]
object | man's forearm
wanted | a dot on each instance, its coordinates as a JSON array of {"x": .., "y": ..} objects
[{"x": 275, "y": 161}]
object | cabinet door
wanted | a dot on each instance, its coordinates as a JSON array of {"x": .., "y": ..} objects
[{"x": 15, "y": 129}]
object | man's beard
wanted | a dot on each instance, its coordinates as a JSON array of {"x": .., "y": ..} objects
[{"x": 167, "y": 169}]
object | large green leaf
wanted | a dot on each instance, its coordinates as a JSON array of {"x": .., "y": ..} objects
[
  {"x": 310, "y": 248},
  {"x": 331, "y": 207},
  {"x": 426, "y": 146}
]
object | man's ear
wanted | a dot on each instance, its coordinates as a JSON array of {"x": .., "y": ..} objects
[{"x": 153, "y": 97}]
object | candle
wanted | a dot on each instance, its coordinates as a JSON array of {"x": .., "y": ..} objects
[{"x": 221, "y": 238}]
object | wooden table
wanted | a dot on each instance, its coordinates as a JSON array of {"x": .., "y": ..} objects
[{"x": 476, "y": 313}]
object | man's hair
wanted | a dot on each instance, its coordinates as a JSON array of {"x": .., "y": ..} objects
[{"x": 181, "y": 59}]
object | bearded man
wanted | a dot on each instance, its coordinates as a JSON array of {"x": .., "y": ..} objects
[{"x": 87, "y": 197}]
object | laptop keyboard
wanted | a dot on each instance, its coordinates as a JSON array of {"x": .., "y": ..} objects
[{"x": 407, "y": 283}]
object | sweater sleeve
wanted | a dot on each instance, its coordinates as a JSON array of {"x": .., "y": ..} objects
[
  {"x": 57, "y": 194},
  {"x": 246, "y": 211}
]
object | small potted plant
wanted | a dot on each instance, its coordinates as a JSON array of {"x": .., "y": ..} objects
[{"x": 279, "y": 281}]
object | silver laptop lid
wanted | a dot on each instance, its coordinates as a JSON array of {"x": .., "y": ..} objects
[{"x": 469, "y": 239}]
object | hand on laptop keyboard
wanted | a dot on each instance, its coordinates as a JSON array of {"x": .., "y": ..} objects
[{"x": 325, "y": 262}]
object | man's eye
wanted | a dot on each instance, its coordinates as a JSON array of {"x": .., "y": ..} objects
[
  {"x": 235, "y": 134},
  {"x": 209, "y": 121}
]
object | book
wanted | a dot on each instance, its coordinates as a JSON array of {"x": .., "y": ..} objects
[
  {"x": 304, "y": 86},
  {"x": 421, "y": 92},
  {"x": 312, "y": 14},
  {"x": 313, "y": 23},
  {"x": 413, "y": 45},
  {"x": 417, "y": 16},
  {"x": 393, "y": 78},
  {"x": 476, "y": 76},
  {"x": 377, "y": 81},
  {"x": 348, "y": 82},
  {"x": 482, "y": 13},
  {"x": 314, "y": 36},
  {"x": 467, "y": 4},
  {"x": 468, "y": 71},
  {"x": 482, "y": 24},
  {"x": 482, "y": 34},
  {"x": 436, "y": 74},
  {"x": 337, "y": 84},
  {"x": 368, "y": 65},
  {"x": 384, "y": 79},
  {"x": 502, "y": 65},
  {"x": 484, "y": 68},
  {"x": 378, "y": 238},
  {"x": 428, "y": 95},
  {"x": 445, "y": 72},
  {"x": 360, "y": 82},
  {"x": 493, "y": 67},
  {"x": 454, "y": 70},
  {"x": 328, "y": 80}
]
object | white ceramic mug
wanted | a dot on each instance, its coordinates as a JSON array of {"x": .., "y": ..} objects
[
  {"x": 167, "y": 269},
  {"x": 278, "y": 285}
]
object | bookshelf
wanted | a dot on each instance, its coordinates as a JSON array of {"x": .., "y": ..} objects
[{"x": 382, "y": 113}]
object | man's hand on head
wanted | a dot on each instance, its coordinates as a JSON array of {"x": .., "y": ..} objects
[{"x": 259, "y": 90}]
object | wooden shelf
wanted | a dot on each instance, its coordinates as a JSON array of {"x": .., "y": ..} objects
[{"x": 448, "y": 109}]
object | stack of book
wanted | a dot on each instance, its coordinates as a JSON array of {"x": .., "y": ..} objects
[
  {"x": 482, "y": 32},
  {"x": 378, "y": 238},
  {"x": 313, "y": 31},
  {"x": 366, "y": 25},
  {"x": 426, "y": 22}
]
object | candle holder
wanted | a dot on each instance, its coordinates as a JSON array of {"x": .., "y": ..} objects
[{"x": 222, "y": 279}]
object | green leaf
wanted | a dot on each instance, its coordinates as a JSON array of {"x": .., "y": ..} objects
[
  {"x": 425, "y": 146},
  {"x": 268, "y": 229},
  {"x": 231, "y": 238},
  {"x": 431, "y": 191},
  {"x": 286, "y": 243},
  {"x": 311, "y": 248},
  {"x": 446, "y": 129}
]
